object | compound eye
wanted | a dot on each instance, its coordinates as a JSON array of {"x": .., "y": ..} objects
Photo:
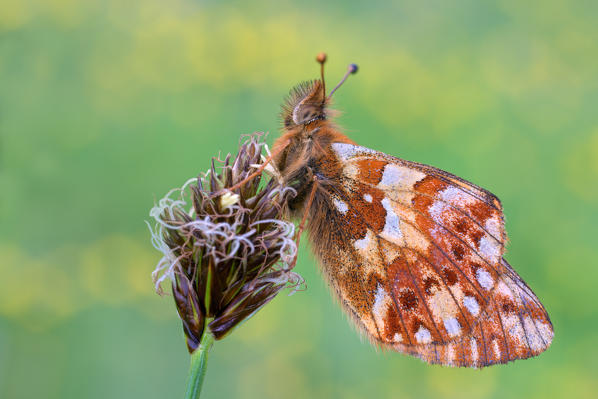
[
  {"x": 309, "y": 113},
  {"x": 307, "y": 116}
]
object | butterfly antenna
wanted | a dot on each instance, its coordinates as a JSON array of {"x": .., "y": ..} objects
[
  {"x": 351, "y": 69},
  {"x": 321, "y": 58}
]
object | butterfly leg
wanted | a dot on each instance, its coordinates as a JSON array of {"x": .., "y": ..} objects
[
  {"x": 262, "y": 166},
  {"x": 310, "y": 200}
]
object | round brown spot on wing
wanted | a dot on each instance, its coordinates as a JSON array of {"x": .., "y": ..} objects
[
  {"x": 407, "y": 299},
  {"x": 461, "y": 226},
  {"x": 370, "y": 170},
  {"x": 429, "y": 284},
  {"x": 508, "y": 307},
  {"x": 450, "y": 276},
  {"x": 402, "y": 284},
  {"x": 458, "y": 251}
]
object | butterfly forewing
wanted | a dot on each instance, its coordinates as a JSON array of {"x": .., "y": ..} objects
[{"x": 416, "y": 259}]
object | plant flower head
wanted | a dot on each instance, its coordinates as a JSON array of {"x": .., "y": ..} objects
[{"x": 226, "y": 253}]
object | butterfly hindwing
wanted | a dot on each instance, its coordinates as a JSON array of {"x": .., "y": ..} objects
[
  {"x": 416, "y": 259},
  {"x": 515, "y": 326}
]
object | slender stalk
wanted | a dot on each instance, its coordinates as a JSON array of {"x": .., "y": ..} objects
[{"x": 199, "y": 364}]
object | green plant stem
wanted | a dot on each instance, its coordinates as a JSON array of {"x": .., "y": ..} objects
[{"x": 199, "y": 364}]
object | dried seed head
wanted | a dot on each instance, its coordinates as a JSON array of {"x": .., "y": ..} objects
[{"x": 226, "y": 253}]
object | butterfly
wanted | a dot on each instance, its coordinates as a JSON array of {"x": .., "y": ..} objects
[{"x": 414, "y": 254}]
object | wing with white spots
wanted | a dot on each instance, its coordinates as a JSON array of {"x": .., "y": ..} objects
[
  {"x": 514, "y": 326},
  {"x": 418, "y": 262}
]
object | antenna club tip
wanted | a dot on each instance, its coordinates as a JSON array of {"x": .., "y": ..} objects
[
  {"x": 321, "y": 57},
  {"x": 352, "y": 68}
]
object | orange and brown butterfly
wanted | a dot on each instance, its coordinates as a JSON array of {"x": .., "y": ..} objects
[{"x": 414, "y": 254}]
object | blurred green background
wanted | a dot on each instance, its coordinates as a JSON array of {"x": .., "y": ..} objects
[{"x": 105, "y": 105}]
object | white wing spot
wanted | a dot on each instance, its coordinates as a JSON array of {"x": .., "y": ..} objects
[
  {"x": 392, "y": 175},
  {"x": 493, "y": 226},
  {"x": 484, "y": 278},
  {"x": 397, "y": 337},
  {"x": 452, "y": 326},
  {"x": 490, "y": 248},
  {"x": 472, "y": 305},
  {"x": 453, "y": 195},
  {"x": 399, "y": 177},
  {"x": 391, "y": 231},
  {"x": 341, "y": 205},
  {"x": 367, "y": 197},
  {"x": 423, "y": 336},
  {"x": 380, "y": 301},
  {"x": 364, "y": 242},
  {"x": 346, "y": 151}
]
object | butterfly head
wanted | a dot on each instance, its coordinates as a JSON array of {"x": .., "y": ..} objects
[{"x": 308, "y": 102}]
